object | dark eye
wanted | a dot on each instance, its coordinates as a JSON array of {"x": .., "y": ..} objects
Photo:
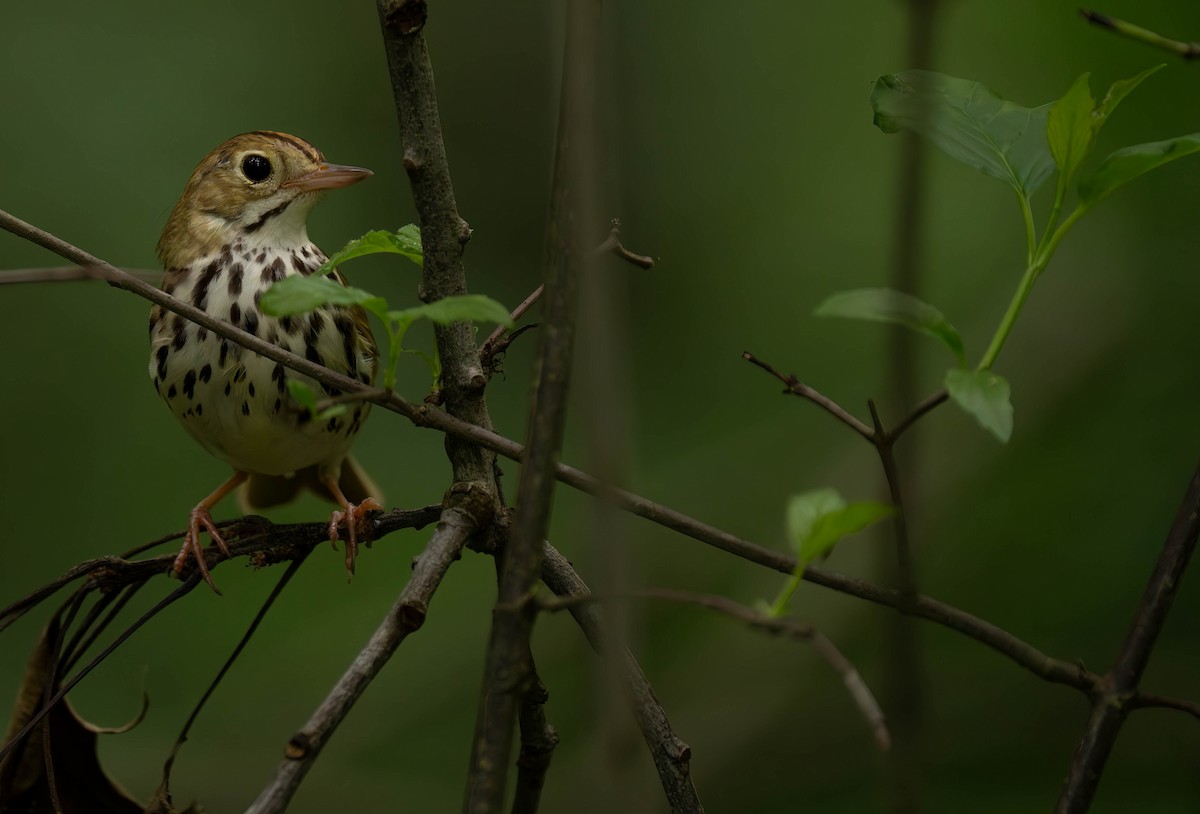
[{"x": 256, "y": 167}]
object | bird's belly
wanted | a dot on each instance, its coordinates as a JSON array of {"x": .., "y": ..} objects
[{"x": 236, "y": 403}]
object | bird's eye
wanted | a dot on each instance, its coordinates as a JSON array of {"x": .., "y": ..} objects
[{"x": 256, "y": 168}]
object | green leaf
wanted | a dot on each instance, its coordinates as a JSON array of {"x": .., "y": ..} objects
[
  {"x": 1124, "y": 165},
  {"x": 298, "y": 295},
  {"x": 818, "y": 519},
  {"x": 969, "y": 123},
  {"x": 1119, "y": 90},
  {"x": 406, "y": 242},
  {"x": 464, "y": 308},
  {"x": 984, "y": 395},
  {"x": 886, "y": 305},
  {"x": 333, "y": 411},
  {"x": 303, "y": 394},
  {"x": 1071, "y": 129}
]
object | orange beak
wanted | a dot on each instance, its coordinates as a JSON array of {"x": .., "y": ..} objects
[{"x": 328, "y": 176}]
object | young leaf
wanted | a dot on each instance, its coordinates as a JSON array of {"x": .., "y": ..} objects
[
  {"x": 406, "y": 242},
  {"x": 303, "y": 394},
  {"x": 1124, "y": 165},
  {"x": 1070, "y": 128},
  {"x": 984, "y": 395},
  {"x": 332, "y": 412},
  {"x": 969, "y": 123},
  {"x": 298, "y": 295},
  {"x": 1118, "y": 91},
  {"x": 465, "y": 308},
  {"x": 818, "y": 519},
  {"x": 886, "y": 305}
]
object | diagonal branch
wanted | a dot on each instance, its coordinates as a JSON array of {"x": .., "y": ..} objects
[
  {"x": 405, "y": 616},
  {"x": 1116, "y": 693}
]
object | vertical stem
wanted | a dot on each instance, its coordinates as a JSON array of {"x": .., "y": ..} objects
[
  {"x": 903, "y": 692},
  {"x": 508, "y": 667}
]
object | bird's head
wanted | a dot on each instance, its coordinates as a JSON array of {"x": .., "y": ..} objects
[{"x": 257, "y": 188}]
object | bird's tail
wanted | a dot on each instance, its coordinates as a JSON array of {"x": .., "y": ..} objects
[{"x": 265, "y": 491}]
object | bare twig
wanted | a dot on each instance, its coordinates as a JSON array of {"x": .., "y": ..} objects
[
  {"x": 255, "y": 537},
  {"x": 859, "y": 692},
  {"x": 612, "y": 245},
  {"x": 499, "y": 339},
  {"x": 508, "y": 665},
  {"x": 671, "y": 755},
  {"x": 917, "y": 413},
  {"x": 1187, "y": 50},
  {"x": 405, "y": 616},
  {"x": 1115, "y": 693},
  {"x": 798, "y": 388},
  {"x": 61, "y": 274},
  {"x": 1147, "y": 700}
]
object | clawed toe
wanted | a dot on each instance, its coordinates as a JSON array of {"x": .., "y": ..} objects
[{"x": 352, "y": 515}]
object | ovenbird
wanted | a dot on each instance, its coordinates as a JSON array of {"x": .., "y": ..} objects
[{"x": 239, "y": 227}]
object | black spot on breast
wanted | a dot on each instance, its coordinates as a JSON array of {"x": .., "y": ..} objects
[
  {"x": 200, "y": 291},
  {"x": 346, "y": 329},
  {"x": 334, "y": 425},
  {"x": 199, "y": 409},
  {"x": 171, "y": 391},
  {"x": 206, "y": 373},
  {"x": 235, "y": 313},
  {"x": 179, "y": 331},
  {"x": 252, "y": 322},
  {"x": 262, "y": 256},
  {"x": 273, "y": 272},
  {"x": 310, "y": 353},
  {"x": 364, "y": 377},
  {"x": 298, "y": 264},
  {"x": 278, "y": 404},
  {"x": 289, "y": 324},
  {"x": 250, "y": 389},
  {"x": 201, "y": 333},
  {"x": 161, "y": 356},
  {"x": 228, "y": 387},
  {"x": 235, "y": 280},
  {"x": 224, "y": 353},
  {"x": 189, "y": 384},
  {"x": 239, "y": 375},
  {"x": 316, "y": 323},
  {"x": 245, "y": 408},
  {"x": 278, "y": 375}
]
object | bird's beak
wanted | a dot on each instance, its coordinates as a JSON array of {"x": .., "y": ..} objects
[{"x": 328, "y": 176}]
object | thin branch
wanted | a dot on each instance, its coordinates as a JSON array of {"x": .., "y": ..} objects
[
  {"x": 887, "y": 458},
  {"x": 917, "y": 413},
  {"x": 405, "y": 616},
  {"x": 800, "y": 631},
  {"x": 499, "y": 340},
  {"x": 671, "y": 755},
  {"x": 1147, "y": 700},
  {"x": 612, "y": 245},
  {"x": 1187, "y": 50},
  {"x": 798, "y": 388},
  {"x": 62, "y": 274},
  {"x": 1119, "y": 686},
  {"x": 255, "y": 537},
  {"x": 508, "y": 666}
]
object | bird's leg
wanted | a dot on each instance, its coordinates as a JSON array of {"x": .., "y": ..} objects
[
  {"x": 352, "y": 515},
  {"x": 200, "y": 516}
]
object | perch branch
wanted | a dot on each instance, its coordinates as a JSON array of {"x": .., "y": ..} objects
[
  {"x": 62, "y": 274},
  {"x": 798, "y": 388}
]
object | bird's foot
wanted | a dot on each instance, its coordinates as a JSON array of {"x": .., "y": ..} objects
[
  {"x": 352, "y": 516},
  {"x": 192, "y": 548}
]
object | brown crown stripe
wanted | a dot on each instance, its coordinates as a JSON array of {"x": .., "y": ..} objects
[{"x": 299, "y": 144}]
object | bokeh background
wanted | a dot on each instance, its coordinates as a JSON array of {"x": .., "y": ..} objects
[{"x": 738, "y": 148}]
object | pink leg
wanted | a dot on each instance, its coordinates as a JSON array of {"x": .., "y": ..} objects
[
  {"x": 200, "y": 517},
  {"x": 351, "y": 515}
]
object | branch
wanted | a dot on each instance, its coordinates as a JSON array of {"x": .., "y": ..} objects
[
  {"x": 264, "y": 542},
  {"x": 1116, "y": 693},
  {"x": 508, "y": 665},
  {"x": 859, "y": 692},
  {"x": 499, "y": 339},
  {"x": 612, "y": 245},
  {"x": 917, "y": 413},
  {"x": 538, "y": 739},
  {"x": 1187, "y": 50},
  {"x": 1147, "y": 700},
  {"x": 405, "y": 616},
  {"x": 798, "y": 388},
  {"x": 671, "y": 755},
  {"x": 62, "y": 274}
]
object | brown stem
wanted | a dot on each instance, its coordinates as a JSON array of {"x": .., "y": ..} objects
[
  {"x": 538, "y": 739},
  {"x": 672, "y": 757},
  {"x": 1117, "y": 691},
  {"x": 62, "y": 274},
  {"x": 799, "y": 388},
  {"x": 508, "y": 666},
  {"x": 405, "y": 616}
]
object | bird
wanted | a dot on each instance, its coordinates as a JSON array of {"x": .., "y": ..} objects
[{"x": 240, "y": 226}]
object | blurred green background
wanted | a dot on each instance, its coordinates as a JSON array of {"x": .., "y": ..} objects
[{"x": 738, "y": 148}]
